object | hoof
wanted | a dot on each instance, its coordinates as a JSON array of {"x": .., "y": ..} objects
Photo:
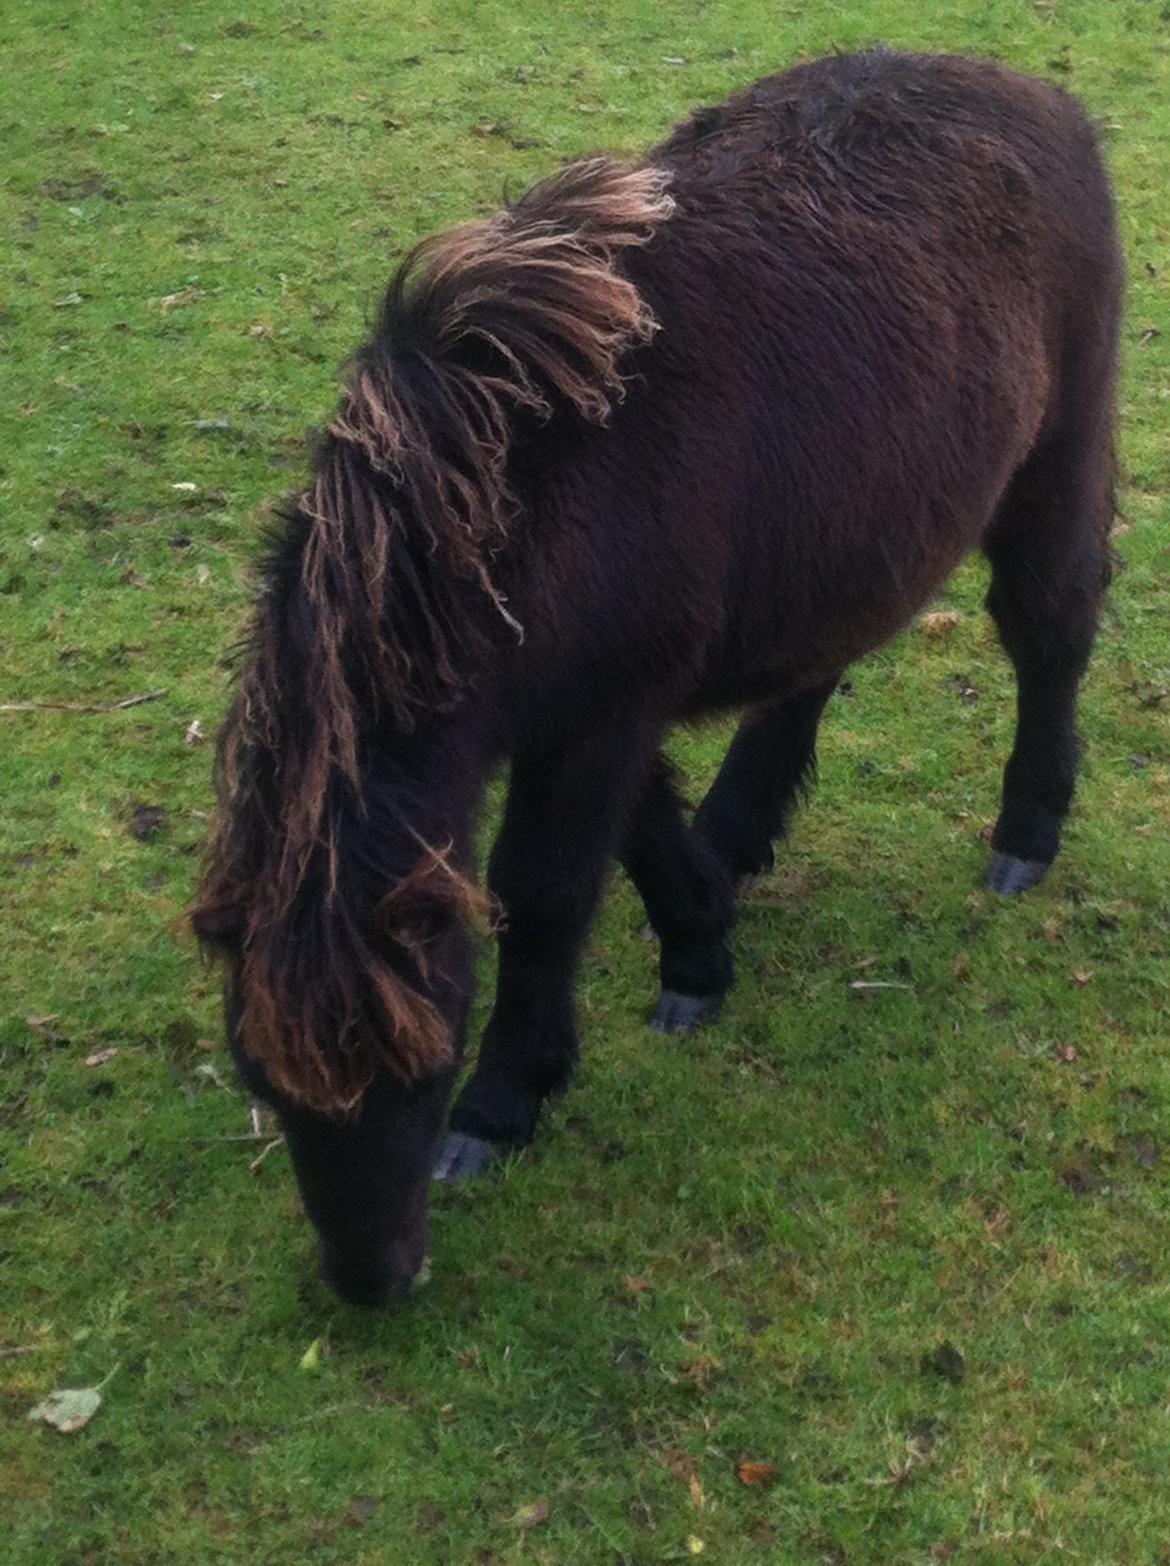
[
  {"x": 677, "y": 1013},
  {"x": 464, "y": 1156},
  {"x": 1008, "y": 875}
]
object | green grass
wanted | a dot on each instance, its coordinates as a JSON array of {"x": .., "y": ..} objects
[{"x": 750, "y": 1245}]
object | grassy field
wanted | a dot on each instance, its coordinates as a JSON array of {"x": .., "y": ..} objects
[{"x": 909, "y": 1246}]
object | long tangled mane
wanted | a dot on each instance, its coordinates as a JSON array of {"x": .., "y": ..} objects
[{"x": 381, "y": 599}]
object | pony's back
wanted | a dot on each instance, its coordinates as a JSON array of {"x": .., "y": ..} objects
[{"x": 876, "y": 270}]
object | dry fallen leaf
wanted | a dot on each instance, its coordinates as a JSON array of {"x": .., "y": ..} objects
[
  {"x": 941, "y": 623},
  {"x": 530, "y": 1516},
  {"x": 177, "y": 301},
  {"x": 759, "y": 1474},
  {"x": 1081, "y": 977},
  {"x": 696, "y": 1490},
  {"x": 681, "y": 1464},
  {"x": 195, "y": 734},
  {"x": 68, "y": 1410},
  {"x": 101, "y": 1057}
]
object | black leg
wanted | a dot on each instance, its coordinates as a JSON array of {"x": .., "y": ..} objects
[
  {"x": 770, "y": 760},
  {"x": 567, "y": 812},
  {"x": 690, "y": 900},
  {"x": 1048, "y": 555}
]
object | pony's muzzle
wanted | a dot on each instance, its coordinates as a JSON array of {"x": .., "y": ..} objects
[{"x": 377, "y": 1280}]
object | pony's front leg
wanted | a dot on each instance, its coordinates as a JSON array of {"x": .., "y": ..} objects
[{"x": 567, "y": 812}]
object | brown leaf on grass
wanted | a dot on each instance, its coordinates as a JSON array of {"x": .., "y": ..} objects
[
  {"x": 1081, "y": 977},
  {"x": 1067, "y": 1052},
  {"x": 697, "y": 1497},
  {"x": 531, "y": 1515},
  {"x": 633, "y": 1285},
  {"x": 681, "y": 1464},
  {"x": 101, "y": 1057},
  {"x": 147, "y": 822},
  {"x": 177, "y": 301},
  {"x": 756, "y": 1474},
  {"x": 701, "y": 1371},
  {"x": 1145, "y": 1151},
  {"x": 940, "y": 623},
  {"x": 1081, "y": 1178}
]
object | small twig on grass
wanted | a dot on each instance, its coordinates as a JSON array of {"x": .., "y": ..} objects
[
  {"x": 878, "y": 984},
  {"x": 81, "y": 706},
  {"x": 243, "y": 1136},
  {"x": 264, "y": 1152}
]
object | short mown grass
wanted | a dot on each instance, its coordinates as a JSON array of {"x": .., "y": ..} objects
[{"x": 908, "y": 1245}]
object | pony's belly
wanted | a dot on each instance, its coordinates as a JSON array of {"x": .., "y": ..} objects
[{"x": 772, "y": 653}]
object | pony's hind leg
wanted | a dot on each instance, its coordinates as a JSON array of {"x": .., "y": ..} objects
[
  {"x": 770, "y": 760},
  {"x": 566, "y": 816},
  {"x": 690, "y": 901},
  {"x": 1049, "y": 560}
]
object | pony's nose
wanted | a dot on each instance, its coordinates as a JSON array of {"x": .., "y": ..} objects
[{"x": 369, "y": 1280}]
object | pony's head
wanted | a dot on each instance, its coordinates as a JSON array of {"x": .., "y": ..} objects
[{"x": 347, "y": 965}]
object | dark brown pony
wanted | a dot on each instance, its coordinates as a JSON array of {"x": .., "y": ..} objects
[{"x": 660, "y": 439}]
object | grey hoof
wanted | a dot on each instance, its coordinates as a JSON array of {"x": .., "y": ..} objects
[
  {"x": 678, "y": 1013},
  {"x": 464, "y": 1156},
  {"x": 1008, "y": 875}
]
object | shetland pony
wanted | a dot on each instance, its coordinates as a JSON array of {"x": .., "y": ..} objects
[{"x": 662, "y": 438}]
